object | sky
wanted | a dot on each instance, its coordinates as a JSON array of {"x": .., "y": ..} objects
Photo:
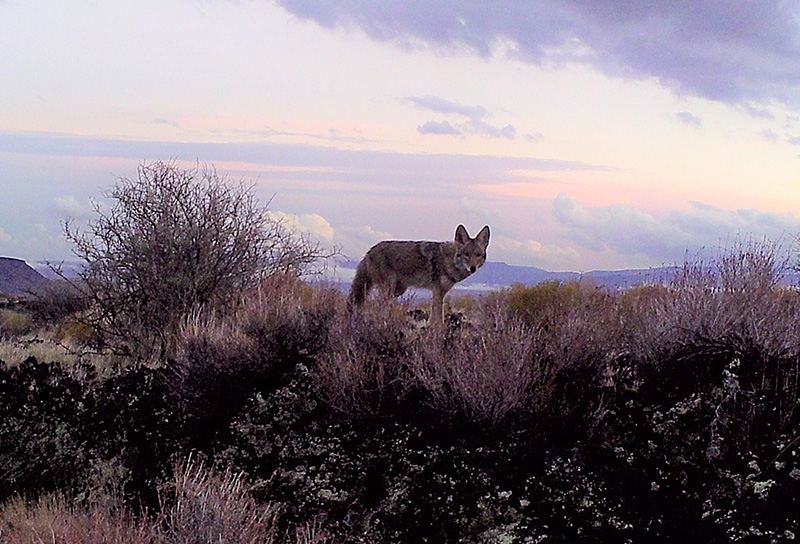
[{"x": 588, "y": 134}]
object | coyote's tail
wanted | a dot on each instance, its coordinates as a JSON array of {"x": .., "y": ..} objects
[{"x": 360, "y": 286}]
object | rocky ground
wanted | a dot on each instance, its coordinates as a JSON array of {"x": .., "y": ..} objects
[{"x": 655, "y": 473}]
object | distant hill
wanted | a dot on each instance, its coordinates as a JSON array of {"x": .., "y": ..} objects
[
  {"x": 497, "y": 275},
  {"x": 17, "y": 278},
  {"x": 502, "y": 274},
  {"x": 69, "y": 269}
]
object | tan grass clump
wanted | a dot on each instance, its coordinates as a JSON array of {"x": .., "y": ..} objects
[{"x": 14, "y": 324}]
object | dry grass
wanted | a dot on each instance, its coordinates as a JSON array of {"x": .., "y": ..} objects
[
  {"x": 208, "y": 506},
  {"x": 201, "y": 505},
  {"x": 49, "y": 344},
  {"x": 283, "y": 318},
  {"x": 54, "y": 520},
  {"x": 48, "y": 327},
  {"x": 14, "y": 324}
]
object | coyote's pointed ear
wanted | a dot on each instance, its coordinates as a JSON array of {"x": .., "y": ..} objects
[
  {"x": 462, "y": 236},
  {"x": 483, "y": 237}
]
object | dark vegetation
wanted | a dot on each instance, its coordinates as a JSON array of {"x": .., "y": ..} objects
[{"x": 552, "y": 413}]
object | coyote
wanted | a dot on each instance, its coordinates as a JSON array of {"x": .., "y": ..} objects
[{"x": 395, "y": 265}]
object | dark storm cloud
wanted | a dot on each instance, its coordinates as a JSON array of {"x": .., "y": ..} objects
[{"x": 735, "y": 51}]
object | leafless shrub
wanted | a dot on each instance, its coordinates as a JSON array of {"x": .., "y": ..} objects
[
  {"x": 173, "y": 241},
  {"x": 578, "y": 350},
  {"x": 484, "y": 374},
  {"x": 200, "y": 505},
  {"x": 733, "y": 304},
  {"x": 736, "y": 302},
  {"x": 214, "y": 367},
  {"x": 731, "y": 307},
  {"x": 55, "y": 300},
  {"x": 283, "y": 318},
  {"x": 313, "y": 533},
  {"x": 287, "y": 318},
  {"x": 222, "y": 357},
  {"x": 642, "y": 311},
  {"x": 364, "y": 371}
]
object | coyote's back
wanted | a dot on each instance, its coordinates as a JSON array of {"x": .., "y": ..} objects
[{"x": 395, "y": 265}]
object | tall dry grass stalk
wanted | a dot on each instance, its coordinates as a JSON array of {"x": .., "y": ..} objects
[
  {"x": 201, "y": 505},
  {"x": 208, "y": 506},
  {"x": 53, "y": 520}
]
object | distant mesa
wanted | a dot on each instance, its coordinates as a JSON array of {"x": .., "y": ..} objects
[{"x": 17, "y": 278}]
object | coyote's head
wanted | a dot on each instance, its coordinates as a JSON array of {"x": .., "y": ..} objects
[{"x": 471, "y": 252}]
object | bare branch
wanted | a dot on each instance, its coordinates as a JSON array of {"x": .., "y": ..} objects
[{"x": 173, "y": 241}]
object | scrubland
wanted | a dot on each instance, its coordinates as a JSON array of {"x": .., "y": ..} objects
[{"x": 548, "y": 413}]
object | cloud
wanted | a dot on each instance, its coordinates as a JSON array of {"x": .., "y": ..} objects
[
  {"x": 167, "y": 122},
  {"x": 440, "y": 105},
  {"x": 531, "y": 252},
  {"x": 631, "y": 232},
  {"x": 794, "y": 140},
  {"x": 689, "y": 119},
  {"x": 309, "y": 223},
  {"x": 730, "y": 51},
  {"x": 474, "y": 124},
  {"x": 356, "y": 240},
  {"x": 404, "y": 171},
  {"x": 71, "y": 207},
  {"x": 757, "y": 113},
  {"x": 481, "y": 213},
  {"x": 4, "y": 236},
  {"x": 329, "y": 135},
  {"x": 438, "y": 127},
  {"x": 619, "y": 228},
  {"x": 769, "y": 135}
]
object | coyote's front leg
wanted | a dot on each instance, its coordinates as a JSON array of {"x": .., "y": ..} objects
[{"x": 437, "y": 307}]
